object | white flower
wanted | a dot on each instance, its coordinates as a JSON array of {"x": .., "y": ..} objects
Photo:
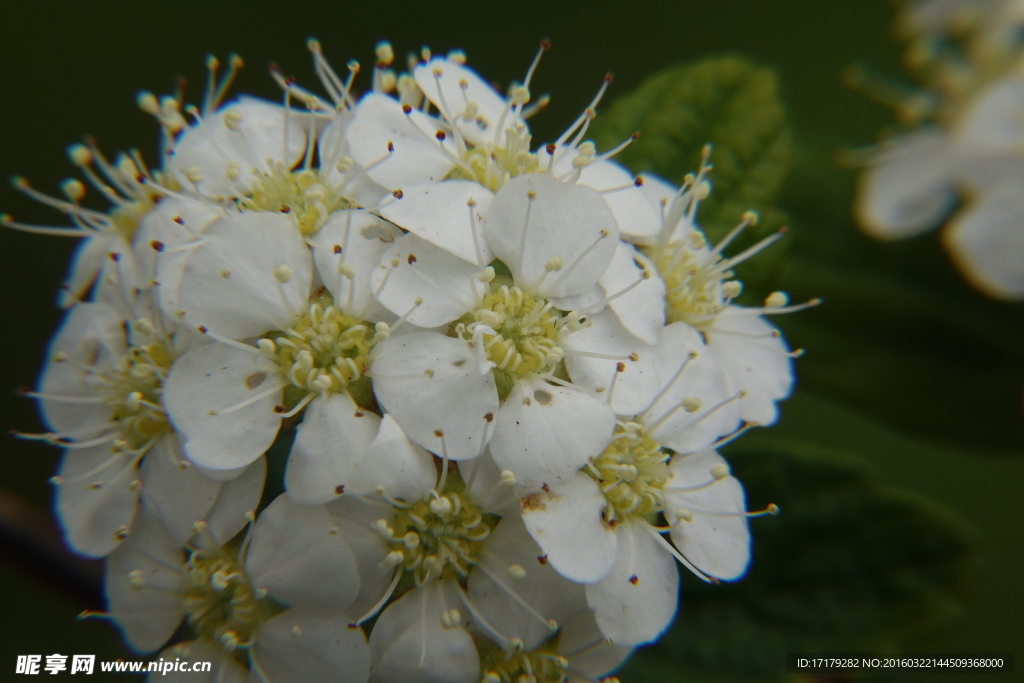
[
  {"x": 510, "y": 336},
  {"x": 249, "y": 278},
  {"x": 700, "y": 293},
  {"x": 481, "y": 137},
  {"x": 440, "y": 531},
  {"x": 225, "y": 145},
  {"x": 107, "y": 235},
  {"x": 595, "y": 528},
  {"x": 101, "y": 393},
  {"x": 577, "y": 652},
  {"x": 278, "y": 602}
]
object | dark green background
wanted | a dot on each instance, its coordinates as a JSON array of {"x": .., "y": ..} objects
[{"x": 73, "y": 69}]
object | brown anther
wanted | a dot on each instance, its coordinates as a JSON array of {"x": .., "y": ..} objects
[
  {"x": 620, "y": 367},
  {"x": 358, "y": 413},
  {"x": 635, "y": 136},
  {"x": 639, "y": 182},
  {"x": 391, "y": 146},
  {"x": 115, "y": 257},
  {"x": 608, "y": 78},
  {"x": 202, "y": 329},
  {"x": 634, "y": 579},
  {"x": 406, "y": 109},
  {"x": 411, "y": 260},
  {"x": 279, "y": 409},
  {"x": 545, "y": 45},
  {"x": 179, "y": 220},
  {"x": 438, "y": 433},
  {"x": 397, "y": 194},
  {"x": 440, "y": 135},
  {"x": 550, "y": 148},
  {"x": 543, "y": 559},
  {"x": 339, "y": 489},
  {"x": 157, "y": 245},
  {"x": 489, "y": 417},
  {"x": 337, "y": 248},
  {"x": 285, "y": 209}
]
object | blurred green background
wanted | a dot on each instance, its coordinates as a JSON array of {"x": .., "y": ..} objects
[{"x": 897, "y": 463}]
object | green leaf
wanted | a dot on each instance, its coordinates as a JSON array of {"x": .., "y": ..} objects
[
  {"x": 848, "y": 565},
  {"x": 728, "y": 102}
]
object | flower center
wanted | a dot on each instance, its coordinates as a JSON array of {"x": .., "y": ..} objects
[
  {"x": 438, "y": 537},
  {"x": 221, "y": 605},
  {"x": 541, "y": 665},
  {"x": 134, "y": 393},
  {"x": 492, "y": 166},
  {"x": 518, "y": 333},
  {"x": 324, "y": 351},
  {"x": 632, "y": 472},
  {"x": 696, "y": 290},
  {"x": 299, "y": 193}
]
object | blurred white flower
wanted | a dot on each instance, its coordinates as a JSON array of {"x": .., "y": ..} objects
[{"x": 970, "y": 149}]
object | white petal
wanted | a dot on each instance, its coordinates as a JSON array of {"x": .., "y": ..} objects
[
  {"x": 212, "y": 378},
  {"x": 635, "y": 387},
  {"x": 229, "y": 284},
  {"x": 642, "y": 308},
  {"x": 637, "y": 218},
  {"x": 175, "y": 490},
  {"x": 753, "y": 354},
  {"x": 545, "y": 432},
  {"x": 992, "y": 126},
  {"x": 89, "y": 258},
  {"x": 237, "y": 497},
  {"x": 224, "y": 669},
  {"x": 417, "y": 157},
  {"x": 440, "y": 214},
  {"x": 412, "y": 270},
  {"x": 353, "y": 518},
  {"x": 431, "y": 385},
  {"x": 334, "y": 435},
  {"x": 458, "y": 85},
  {"x": 987, "y": 241},
  {"x": 171, "y": 223},
  {"x": 91, "y": 339},
  {"x": 550, "y": 596},
  {"x": 96, "y": 498},
  {"x": 297, "y": 555},
  {"x": 590, "y": 300},
  {"x": 636, "y": 601},
  {"x": 404, "y": 469},
  {"x": 588, "y": 660},
  {"x": 568, "y": 222},
  {"x": 256, "y": 135},
  {"x": 658, "y": 191},
  {"x": 357, "y": 239},
  {"x": 909, "y": 186},
  {"x": 566, "y": 522},
  {"x": 149, "y": 615},
  {"x": 717, "y": 539},
  {"x": 304, "y": 645},
  {"x": 408, "y": 643},
  {"x": 332, "y": 147},
  {"x": 702, "y": 378}
]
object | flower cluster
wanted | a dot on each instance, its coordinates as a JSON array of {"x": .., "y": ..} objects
[
  {"x": 966, "y": 142},
  {"x": 506, "y": 369}
]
